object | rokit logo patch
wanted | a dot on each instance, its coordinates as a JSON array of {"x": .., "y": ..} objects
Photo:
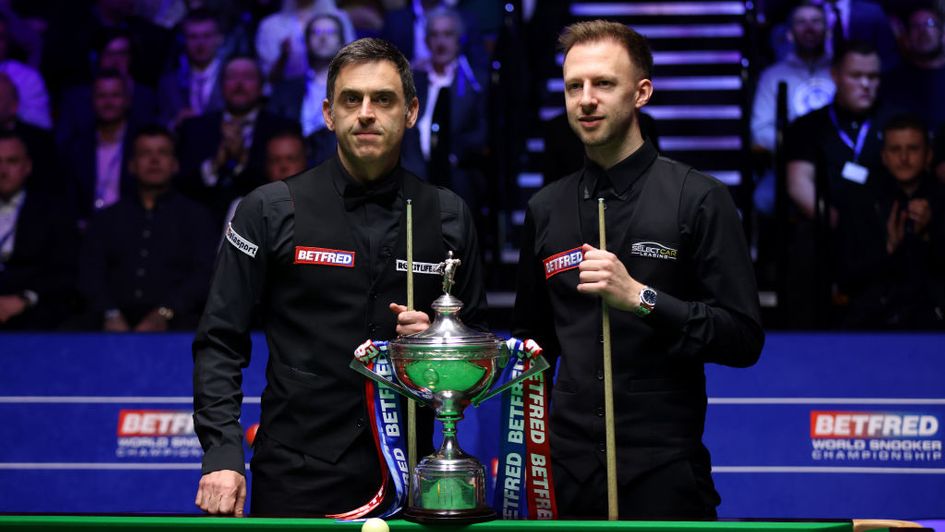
[{"x": 653, "y": 250}]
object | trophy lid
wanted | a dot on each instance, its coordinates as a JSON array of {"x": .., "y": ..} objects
[{"x": 447, "y": 330}]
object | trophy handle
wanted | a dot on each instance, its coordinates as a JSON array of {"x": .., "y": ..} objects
[
  {"x": 356, "y": 365},
  {"x": 539, "y": 364}
]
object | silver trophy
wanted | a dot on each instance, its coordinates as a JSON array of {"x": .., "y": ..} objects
[{"x": 448, "y": 367}]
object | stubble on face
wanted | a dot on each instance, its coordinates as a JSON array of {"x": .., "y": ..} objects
[{"x": 601, "y": 94}]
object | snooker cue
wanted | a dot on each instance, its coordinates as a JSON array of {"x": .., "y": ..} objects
[
  {"x": 411, "y": 405},
  {"x": 610, "y": 437}
]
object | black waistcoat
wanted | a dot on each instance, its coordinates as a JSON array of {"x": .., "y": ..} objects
[
  {"x": 319, "y": 313},
  {"x": 659, "y": 400}
]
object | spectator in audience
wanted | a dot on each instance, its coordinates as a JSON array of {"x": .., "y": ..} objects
[
  {"x": 114, "y": 51},
  {"x": 280, "y": 39},
  {"x": 146, "y": 261},
  {"x": 300, "y": 98},
  {"x": 37, "y": 246},
  {"x": 452, "y": 126},
  {"x": 840, "y": 141},
  {"x": 917, "y": 85},
  {"x": 806, "y": 71},
  {"x": 837, "y": 148},
  {"x": 222, "y": 153},
  {"x": 39, "y": 142},
  {"x": 96, "y": 155},
  {"x": 407, "y": 27},
  {"x": 285, "y": 157},
  {"x": 893, "y": 250},
  {"x": 193, "y": 88},
  {"x": 34, "y": 100}
]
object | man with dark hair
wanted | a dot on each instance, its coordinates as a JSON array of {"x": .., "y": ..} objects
[
  {"x": 146, "y": 259},
  {"x": 96, "y": 155},
  {"x": 193, "y": 88},
  {"x": 917, "y": 84},
  {"x": 679, "y": 285},
  {"x": 892, "y": 246},
  {"x": 222, "y": 153},
  {"x": 314, "y": 453},
  {"x": 806, "y": 72},
  {"x": 37, "y": 246},
  {"x": 832, "y": 153},
  {"x": 300, "y": 98}
]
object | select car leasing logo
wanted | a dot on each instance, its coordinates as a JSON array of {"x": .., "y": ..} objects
[
  {"x": 863, "y": 438},
  {"x": 653, "y": 250}
]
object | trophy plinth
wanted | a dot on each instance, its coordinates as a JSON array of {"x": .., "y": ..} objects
[{"x": 449, "y": 364}]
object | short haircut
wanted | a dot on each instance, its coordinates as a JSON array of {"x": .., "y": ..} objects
[
  {"x": 445, "y": 12},
  {"x": 330, "y": 16},
  {"x": 852, "y": 47},
  {"x": 110, "y": 73},
  {"x": 237, "y": 57},
  {"x": 913, "y": 7},
  {"x": 601, "y": 30},
  {"x": 153, "y": 130},
  {"x": 370, "y": 50},
  {"x": 907, "y": 121},
  {"x": 805, "y": 4},
  {"x": 13, "y": 135},
  {"x": 201, "y": 14},
  {"x": 288, "y": 132}
]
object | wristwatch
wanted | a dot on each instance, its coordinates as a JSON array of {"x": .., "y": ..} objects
[{"x": 647, "y": 302}]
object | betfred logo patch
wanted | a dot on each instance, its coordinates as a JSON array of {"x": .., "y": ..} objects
[
  {"x": 832, "y": 424},
  {"x": 562, "y": 262},
  {"x": 154, "y": 423},
  {"x": 324, "y": 257}
]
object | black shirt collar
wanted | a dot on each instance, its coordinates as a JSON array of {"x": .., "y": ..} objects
[
  {"x": 622, "y": 175},
  {"x": 381, "y": 191}
]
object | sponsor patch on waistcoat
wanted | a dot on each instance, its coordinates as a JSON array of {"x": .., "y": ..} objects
[
  {"x": 562, "y": 262},
  {"x": 429, "y": 268},
  {"x": 653, "y": 250},
  {"x": 324, "y": 257}
]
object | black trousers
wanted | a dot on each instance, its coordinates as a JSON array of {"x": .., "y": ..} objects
[
  {"x": 289, "y": 483},
  {"x": 679, "y": 490}
]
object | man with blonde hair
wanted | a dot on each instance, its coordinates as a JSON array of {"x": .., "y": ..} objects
[{"x": 677, "y": 280}]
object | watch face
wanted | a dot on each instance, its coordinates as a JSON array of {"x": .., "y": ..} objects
[{"x": 648, "y": 295}]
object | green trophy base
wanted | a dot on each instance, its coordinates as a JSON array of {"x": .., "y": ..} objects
[{"x": 452, "y": 517}]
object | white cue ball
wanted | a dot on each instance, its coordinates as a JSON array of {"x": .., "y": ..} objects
[{"x": 375, "y": 525}]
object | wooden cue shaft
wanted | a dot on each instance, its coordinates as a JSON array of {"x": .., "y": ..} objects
[
  {"x": 610, "y": 436},
  {"x": 411, "y": 405}
]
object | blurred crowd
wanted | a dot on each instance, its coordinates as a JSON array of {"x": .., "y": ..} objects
[
  {"x": 130, "y": 129},
  {"x": 865, "y": 239}
]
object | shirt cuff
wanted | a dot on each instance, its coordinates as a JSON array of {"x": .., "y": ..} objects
[
  {"x": 223, "y": 457},
  {"x": 669, "y": 311}
]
